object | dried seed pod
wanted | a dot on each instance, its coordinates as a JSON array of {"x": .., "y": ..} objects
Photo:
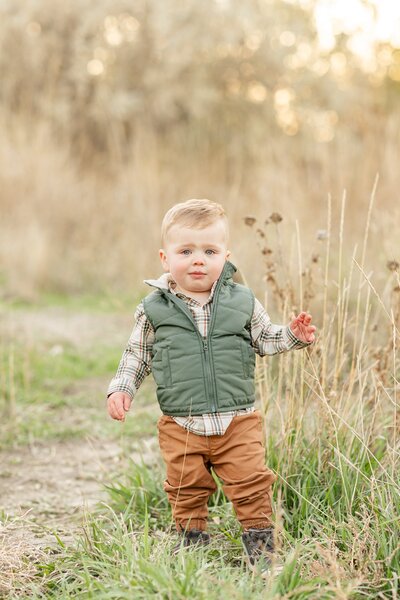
[
  {"x": 260, "y": 232},
  {"x": 392, "y": 265},
  {"x": 250, "y": 221},
  {"x": 275, "y": 217}
]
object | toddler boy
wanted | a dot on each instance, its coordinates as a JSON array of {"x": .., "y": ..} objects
[{"x": 198, "y": 333}]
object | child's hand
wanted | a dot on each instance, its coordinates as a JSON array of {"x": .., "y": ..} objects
[
  {"x": 302, "y": 328},
  {"x": 118, "y": 404}
]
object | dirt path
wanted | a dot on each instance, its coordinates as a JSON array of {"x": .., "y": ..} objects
[
  {"x": 51, "y": 484},
  {"x": 46, "y": 487},
  {"x": 45, "y": 491},
  {"x": 56, "y": 325}
]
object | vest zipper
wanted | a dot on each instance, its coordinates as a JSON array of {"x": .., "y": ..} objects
[
  {"x": 209, "y": 374},
  {"x": 209, "y": 346}
]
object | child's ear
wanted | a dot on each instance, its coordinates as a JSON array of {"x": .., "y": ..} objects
[
  {"x": 228, "y": 253},
  {"x": 164, "y": 260}
]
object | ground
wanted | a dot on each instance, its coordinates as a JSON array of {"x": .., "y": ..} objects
[{"x": 47, "y": 484}]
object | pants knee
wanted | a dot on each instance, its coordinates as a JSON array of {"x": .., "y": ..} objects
[{"x": 247, "y": 490}]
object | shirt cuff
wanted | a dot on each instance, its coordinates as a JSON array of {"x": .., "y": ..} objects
[
  {"x": 293, "y": 341},
  {"x": 122, "y": 384}
]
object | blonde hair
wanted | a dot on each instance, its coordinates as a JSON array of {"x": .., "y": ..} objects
[{"x": 193, "y": 213}]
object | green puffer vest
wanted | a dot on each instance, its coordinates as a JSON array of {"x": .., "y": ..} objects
[{"x": 196, "y": 374}]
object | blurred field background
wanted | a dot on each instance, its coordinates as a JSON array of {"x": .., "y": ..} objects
[
  {"x": 286, "y": 112},
  {"x": 111, "y": 113}
]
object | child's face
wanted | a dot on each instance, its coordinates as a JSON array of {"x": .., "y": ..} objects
[{"x": 195, "y": 257}]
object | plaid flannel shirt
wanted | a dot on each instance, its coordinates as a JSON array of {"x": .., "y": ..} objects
[{"x": 135, "y": 363}]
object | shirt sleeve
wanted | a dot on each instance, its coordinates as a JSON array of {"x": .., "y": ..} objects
[
  {"x": 135, "y": 363},
  {"x": 268, "y": 338}
]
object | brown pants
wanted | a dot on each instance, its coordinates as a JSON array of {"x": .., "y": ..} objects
[{"x": 237, "y": 457}]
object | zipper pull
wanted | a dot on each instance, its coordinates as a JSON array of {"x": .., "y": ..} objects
[{"x": 205, "y": 346}]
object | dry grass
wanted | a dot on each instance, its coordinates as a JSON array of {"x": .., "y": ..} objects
[
  {"x": 73, "y": 230},
  {"x": 19, "y": 556}
]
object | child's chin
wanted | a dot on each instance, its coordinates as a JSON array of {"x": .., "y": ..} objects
[{"x": 199, "y": 288}]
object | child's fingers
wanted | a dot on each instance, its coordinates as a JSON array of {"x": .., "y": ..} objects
[
  {"x": 306, "y": 318},
  {"x": 120, "y": 408},
  {"x": 127, "y": 403},
  {"x": 303, "y": 317},
  {"x": 115, "y": 410},
  {"x": 110, "y": 407}
]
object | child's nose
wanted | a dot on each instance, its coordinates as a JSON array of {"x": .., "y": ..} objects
[{"x": 198, "y": 260}]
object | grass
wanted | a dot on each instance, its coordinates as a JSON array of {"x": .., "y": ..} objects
[
  {"x": 95, "y": 302},
  {"x": 61, "y": 395},
  {"x": 329, "y": 550}
]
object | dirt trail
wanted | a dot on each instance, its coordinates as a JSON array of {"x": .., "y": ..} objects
[
  {"x": 45, "y": 491},
  {"x": 50, "y": 484},
  {"x": 59, "y": 326},
  {"x": 47, "y": 486}
]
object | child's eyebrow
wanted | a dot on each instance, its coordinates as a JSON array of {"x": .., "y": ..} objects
[{"x": 194, "y": 245}]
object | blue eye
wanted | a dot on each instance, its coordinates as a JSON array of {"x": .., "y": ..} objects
[
  {"x": 212, "y": 251},
  {"x": 185, "y": 252}
]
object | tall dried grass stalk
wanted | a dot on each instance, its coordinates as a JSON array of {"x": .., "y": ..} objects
[{"x": 338, "y": 391}]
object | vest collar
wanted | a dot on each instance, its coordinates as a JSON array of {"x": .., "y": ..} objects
[
  {"x": 228, "y": 271},
  {"x": 162, "y": 282}
]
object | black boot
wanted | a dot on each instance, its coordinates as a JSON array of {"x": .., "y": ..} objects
[
  {"x": 259, "y": 547},
  {"x": 192, "y": 537}
]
